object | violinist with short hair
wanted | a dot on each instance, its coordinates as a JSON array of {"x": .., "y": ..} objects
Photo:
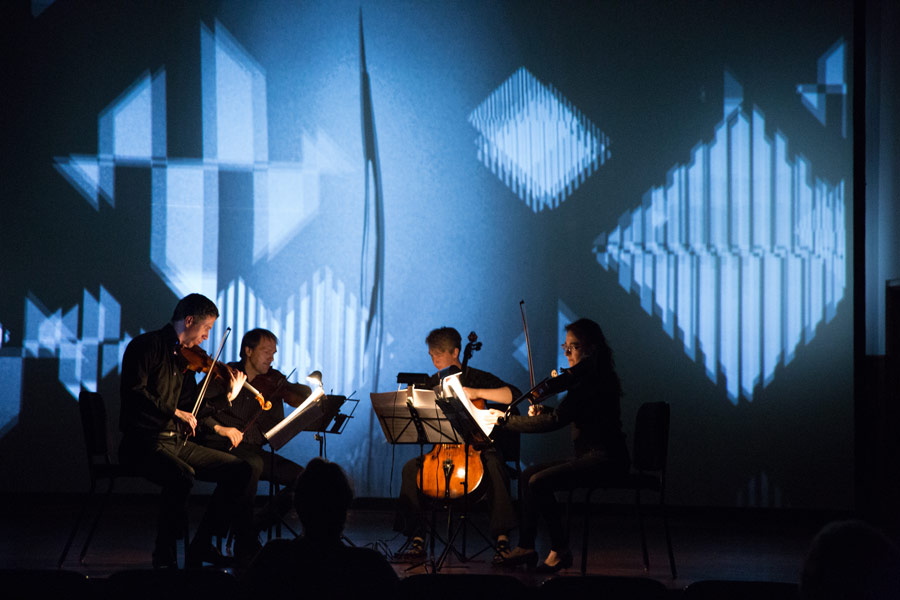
[
  {"x": 156, "y": 437},
  {"x": 444, "y": 348},
  {"x": 238, "y": 426}
]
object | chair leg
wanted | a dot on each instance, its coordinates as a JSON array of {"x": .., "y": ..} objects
[
  {"x": 665, "y": 517},
  {"x": 587, "y": 530},
  {"x": 640, "y": 512},
  {"x": 93, "y": 528},
  {"x": 81, "y": 513}
]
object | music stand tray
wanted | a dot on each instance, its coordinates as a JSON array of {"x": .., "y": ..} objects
[{"x": 411, "y": 416}]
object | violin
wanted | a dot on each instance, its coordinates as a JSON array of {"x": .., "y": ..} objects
[
  {"x": 274, "y": 385},
  {"x": 199, "y": 361},
  {"x": 443, "y": 470}
]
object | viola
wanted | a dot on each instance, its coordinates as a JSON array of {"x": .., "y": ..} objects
[
  {"x": 199, "y": 361},
  {"x": 444, "y": 468}
]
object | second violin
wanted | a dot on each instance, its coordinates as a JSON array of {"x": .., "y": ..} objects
[{"x": 199, "y": 361}]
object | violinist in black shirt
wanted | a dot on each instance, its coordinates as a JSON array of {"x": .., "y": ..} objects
[
  {"x": 592, "y": 407},
  {"x": 238, "y": 427},
  {"x": 154, "y": 440}
]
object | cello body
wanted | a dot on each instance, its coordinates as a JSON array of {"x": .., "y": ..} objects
[{"x": 443, "y": 473}]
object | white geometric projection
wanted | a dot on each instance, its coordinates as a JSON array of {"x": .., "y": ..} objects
[
  {"x": 11, "y": 401},
  {"x": 831, "y": 80},
  {"x": 742, "y": 252},
  {"x": 318, "y": 328},
  {"x": 536, "y": 141},
  {"x": 84, "y": 358},
  {"x": 132, "y": 132}
]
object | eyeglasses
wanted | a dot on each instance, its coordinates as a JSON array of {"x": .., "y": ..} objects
[{"x": 570, "y": 347}]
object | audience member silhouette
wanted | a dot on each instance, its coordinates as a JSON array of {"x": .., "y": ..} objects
[
  {"x": 851, "y": 559},
  {"x": 319, "y": 562}
]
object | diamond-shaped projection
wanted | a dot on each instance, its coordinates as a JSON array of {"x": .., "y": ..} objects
[
  {"x": 742, "y": 252},
  {"x": 536, "y": 141}
]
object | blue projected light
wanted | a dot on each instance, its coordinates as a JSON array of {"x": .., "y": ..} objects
[
  {"x": 316, "y": 327},
  {"x": 831, "y": 81},
  {"x": 132, "y": 132},
  {"x": 85, "y": 357},
  {"x": 534, "y": 140},
  {"x": 319, "y": 324},
  {"x": 742, "y": 252}
]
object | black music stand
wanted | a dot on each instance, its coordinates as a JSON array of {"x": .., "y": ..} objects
[
  {"x": 410, "y": 416},
  {"x": 450, "y": 398},
  {"x": 313, "y": 413}
]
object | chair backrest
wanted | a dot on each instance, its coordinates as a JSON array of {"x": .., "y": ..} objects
[
  {"x": 651, "y": 437},
  {"x": 93, "y": 423}
]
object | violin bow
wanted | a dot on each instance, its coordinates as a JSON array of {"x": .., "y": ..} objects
[{"x": 208, "y": 376}]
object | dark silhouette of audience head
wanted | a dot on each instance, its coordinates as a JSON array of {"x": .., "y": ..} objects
[
  {"x": 322, "y": 497},
  {"x": 851, "y": 559}
]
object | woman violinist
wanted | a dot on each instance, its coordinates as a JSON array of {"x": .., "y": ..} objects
[
  {"x": 239, "y": 426},
  {"x": 592, "y": 408}
]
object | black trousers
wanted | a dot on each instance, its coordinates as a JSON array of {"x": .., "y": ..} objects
[
  {"x": 540, "y": 482},
  {"x": 410, "y": 519},
  {"x": 266, "y": 466},
  {"x": 169, "y": 462}
]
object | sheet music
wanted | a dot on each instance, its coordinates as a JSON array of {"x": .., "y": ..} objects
[
  {"x": 317, "y": 393},
  {"x": 481, "y": 416}
]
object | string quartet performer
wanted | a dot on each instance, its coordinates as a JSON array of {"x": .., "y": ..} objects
[
  {"x": 444, "y": 345},
  {"x": 157, "y": 439},
  {"x": 592, "y": 407},
  {"x": 238, "y": 426}
]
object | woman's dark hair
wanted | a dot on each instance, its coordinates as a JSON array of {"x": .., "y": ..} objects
[
  {"x": 593, "y": 343},
  {"x": 252, "y": 339},
  {"x": 322, "y": 496},
  {"x": 194, "y": 305}
]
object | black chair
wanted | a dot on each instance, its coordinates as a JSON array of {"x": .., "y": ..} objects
[
  {"x": 648, "y": 472},
  {"x": 603, "y": 586},
  {"x": 741, "y": 590},
  {"x": 100, "y": 465}
]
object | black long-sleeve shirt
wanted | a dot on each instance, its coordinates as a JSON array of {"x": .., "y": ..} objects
[
  {"x": 152, "y": 375},
  {"x": 591, "y": 405}
]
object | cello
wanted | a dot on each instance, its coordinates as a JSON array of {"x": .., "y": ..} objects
[{"x": 443, "y": 470}]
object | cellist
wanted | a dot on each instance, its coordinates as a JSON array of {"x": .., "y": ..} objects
[{"x": 444, "y": 346}]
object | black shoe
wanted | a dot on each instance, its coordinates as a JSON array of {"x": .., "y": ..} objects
[
  {"x": 198, "y": 554},
  {"x": 520, "y": 556},
  {"x": 564, "y": 562},
  {"x": 501, "y": 552},
  {"x": 416, "y": 551}
]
